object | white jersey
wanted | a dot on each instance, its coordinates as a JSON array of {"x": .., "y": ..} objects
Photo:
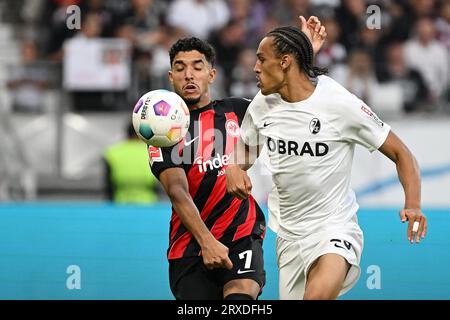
[{"x": 310, "y": 146}]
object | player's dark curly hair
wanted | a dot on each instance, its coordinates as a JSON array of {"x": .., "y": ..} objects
[
  {"x": 190, "y": 44},
  {"x": 291, "y": 40}
]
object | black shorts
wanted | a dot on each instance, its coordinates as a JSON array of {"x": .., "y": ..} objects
[{"x": 191, "y": 280}]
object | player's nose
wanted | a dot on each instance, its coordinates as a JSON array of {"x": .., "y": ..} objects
[
  {"x": 256, "y": 68},
  {"x": 189, "y": 74}
]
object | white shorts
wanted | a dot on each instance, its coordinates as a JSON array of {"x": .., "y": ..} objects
[{"x": 295, "y": 257}]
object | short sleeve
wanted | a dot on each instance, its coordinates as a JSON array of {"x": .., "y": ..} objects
[
  {"x": 361, "y": 125},
  {"x": 161, "y": 159},
  {"x": 249, "y": 130}
]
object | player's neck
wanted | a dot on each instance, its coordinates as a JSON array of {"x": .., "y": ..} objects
[{"x": 297, "y": 88}]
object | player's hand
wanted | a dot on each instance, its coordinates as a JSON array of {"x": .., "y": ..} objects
[
  {"x": 414, "y": 215},
  {"x": 215, "y": 255},
  {"x": 238, "y": 182},
  {"x": 314, "y": 31}
]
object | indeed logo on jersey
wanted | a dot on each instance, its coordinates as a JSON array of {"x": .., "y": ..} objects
[
  {"x": 292, "y": 148},
  {"x": 215, "y": 163}
]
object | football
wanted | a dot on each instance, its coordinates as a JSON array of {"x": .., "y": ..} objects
[{"x": 161, "y": 118}]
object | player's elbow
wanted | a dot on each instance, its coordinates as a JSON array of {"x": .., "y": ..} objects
[{"x": 398, "y": 152}]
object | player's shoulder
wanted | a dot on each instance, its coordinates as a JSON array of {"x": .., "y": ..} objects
[
  {"x": 232, "y": 103},
  {"x": 237, "y": 101},
  {"x": 335, "y": 95},
  {"x": 262, "y": 103},
  {"x": 332, "y": 88},
  {"x": 236, "y": 105}
]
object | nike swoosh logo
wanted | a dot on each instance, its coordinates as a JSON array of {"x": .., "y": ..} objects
[
  {"x": 244, "y": 271},
  {"x": 189, "y": 142},
  {"x": 267, "y": 124}
]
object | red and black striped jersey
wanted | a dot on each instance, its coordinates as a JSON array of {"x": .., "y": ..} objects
[{"x": 204, "y": 154}]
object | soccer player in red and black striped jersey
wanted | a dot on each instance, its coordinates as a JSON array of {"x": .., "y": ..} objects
[{"x": 215, "y": 247}]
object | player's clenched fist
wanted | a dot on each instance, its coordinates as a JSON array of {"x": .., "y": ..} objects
[
  {"x": 238, "y": 182},
  {"x": 215, "y": 255}
]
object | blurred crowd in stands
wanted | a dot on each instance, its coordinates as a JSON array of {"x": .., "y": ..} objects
[{"x": 403, "y": 62}]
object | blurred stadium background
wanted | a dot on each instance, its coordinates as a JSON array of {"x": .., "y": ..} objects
[{"x": 66, "y": 95}]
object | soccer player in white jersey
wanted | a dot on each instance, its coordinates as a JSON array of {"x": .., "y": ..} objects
[{"x": 310, "y": 125}]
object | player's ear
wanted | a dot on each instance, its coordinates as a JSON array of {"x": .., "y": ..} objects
[
  {"x": 170, "y": 74},
  {"x": 285, "y": 62},
  {"x": 212, "y": 75}
]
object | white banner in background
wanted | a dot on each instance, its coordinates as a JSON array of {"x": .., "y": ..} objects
[
  {"x": 374, "y": 177},
  {"x": 96, "y": 64}
]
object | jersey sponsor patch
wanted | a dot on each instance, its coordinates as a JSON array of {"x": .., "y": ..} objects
[
  {"x": 369, "y": 112},
  {"x": 154, "y": 154}
]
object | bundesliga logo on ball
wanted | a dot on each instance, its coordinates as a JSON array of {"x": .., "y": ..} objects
[{"x": 161, "y": 118}]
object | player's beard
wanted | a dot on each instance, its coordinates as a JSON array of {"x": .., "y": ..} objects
[{"x": 191, "y": 101}]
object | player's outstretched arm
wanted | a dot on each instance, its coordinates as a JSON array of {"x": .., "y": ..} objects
[
  {"x": 314, "y": 31},
  {"x": 409, "y": 175},
  {"x": 215, "y": 254}
]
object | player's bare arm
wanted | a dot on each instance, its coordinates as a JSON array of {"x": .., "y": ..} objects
[
  {"x": 243, "y": 157},
  {"x": 214, "y": 253},
  {"x": 409, "y": 175}
]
